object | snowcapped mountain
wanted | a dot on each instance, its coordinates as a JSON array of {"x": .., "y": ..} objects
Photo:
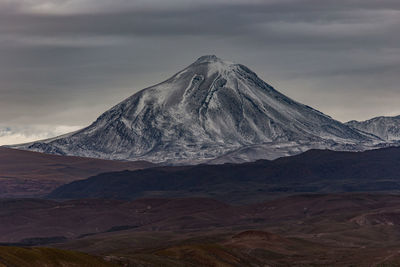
[
  {"x": 386, "y": 128},
  {"x": 211, "y": 108}
]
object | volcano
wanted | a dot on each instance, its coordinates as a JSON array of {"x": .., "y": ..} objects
[{"x": 210, "y": 109}]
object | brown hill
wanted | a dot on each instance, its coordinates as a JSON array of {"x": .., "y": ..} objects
[
  {"x": 25, "y": 173},
  {"x": 50, "y": 257}
]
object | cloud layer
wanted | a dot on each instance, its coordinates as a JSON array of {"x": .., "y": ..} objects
[
  {"x": 66, "y": 61},
  {"x": 25, "y": 134}
]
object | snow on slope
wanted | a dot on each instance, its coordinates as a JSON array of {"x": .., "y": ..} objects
[
  {"x": 210, "y": 108},
  {"x": 386, "y": 128}
]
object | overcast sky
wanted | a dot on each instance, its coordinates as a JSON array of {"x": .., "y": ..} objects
[{"x": 64, "y": 62}]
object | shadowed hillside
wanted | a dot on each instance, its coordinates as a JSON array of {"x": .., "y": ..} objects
[{"x": 314, "y": 171}]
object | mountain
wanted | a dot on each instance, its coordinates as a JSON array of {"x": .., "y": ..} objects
[
  {"x": 386, "y": 128},
  {"x": 27, "y": 174},
  {"x": 321, "y": 171},
  {"x": 210, "y": 108}
]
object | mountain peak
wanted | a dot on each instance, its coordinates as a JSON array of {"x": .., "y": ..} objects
[
  {"x": 210, "y": 59},
  {"x": 212, "y": 64}
]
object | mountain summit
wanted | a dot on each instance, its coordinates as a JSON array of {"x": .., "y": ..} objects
[{"x": 210, "y": 108}]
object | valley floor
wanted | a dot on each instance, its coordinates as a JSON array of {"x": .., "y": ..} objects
[{"x": 302, "y": 230}]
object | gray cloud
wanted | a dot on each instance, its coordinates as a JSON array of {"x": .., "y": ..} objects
[{"x": 66, "y": 61}]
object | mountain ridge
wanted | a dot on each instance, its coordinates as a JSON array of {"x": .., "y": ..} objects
[{"x": 384, "y": 127}]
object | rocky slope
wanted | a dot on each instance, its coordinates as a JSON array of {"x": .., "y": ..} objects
[{"x": 386, "y": 128}]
